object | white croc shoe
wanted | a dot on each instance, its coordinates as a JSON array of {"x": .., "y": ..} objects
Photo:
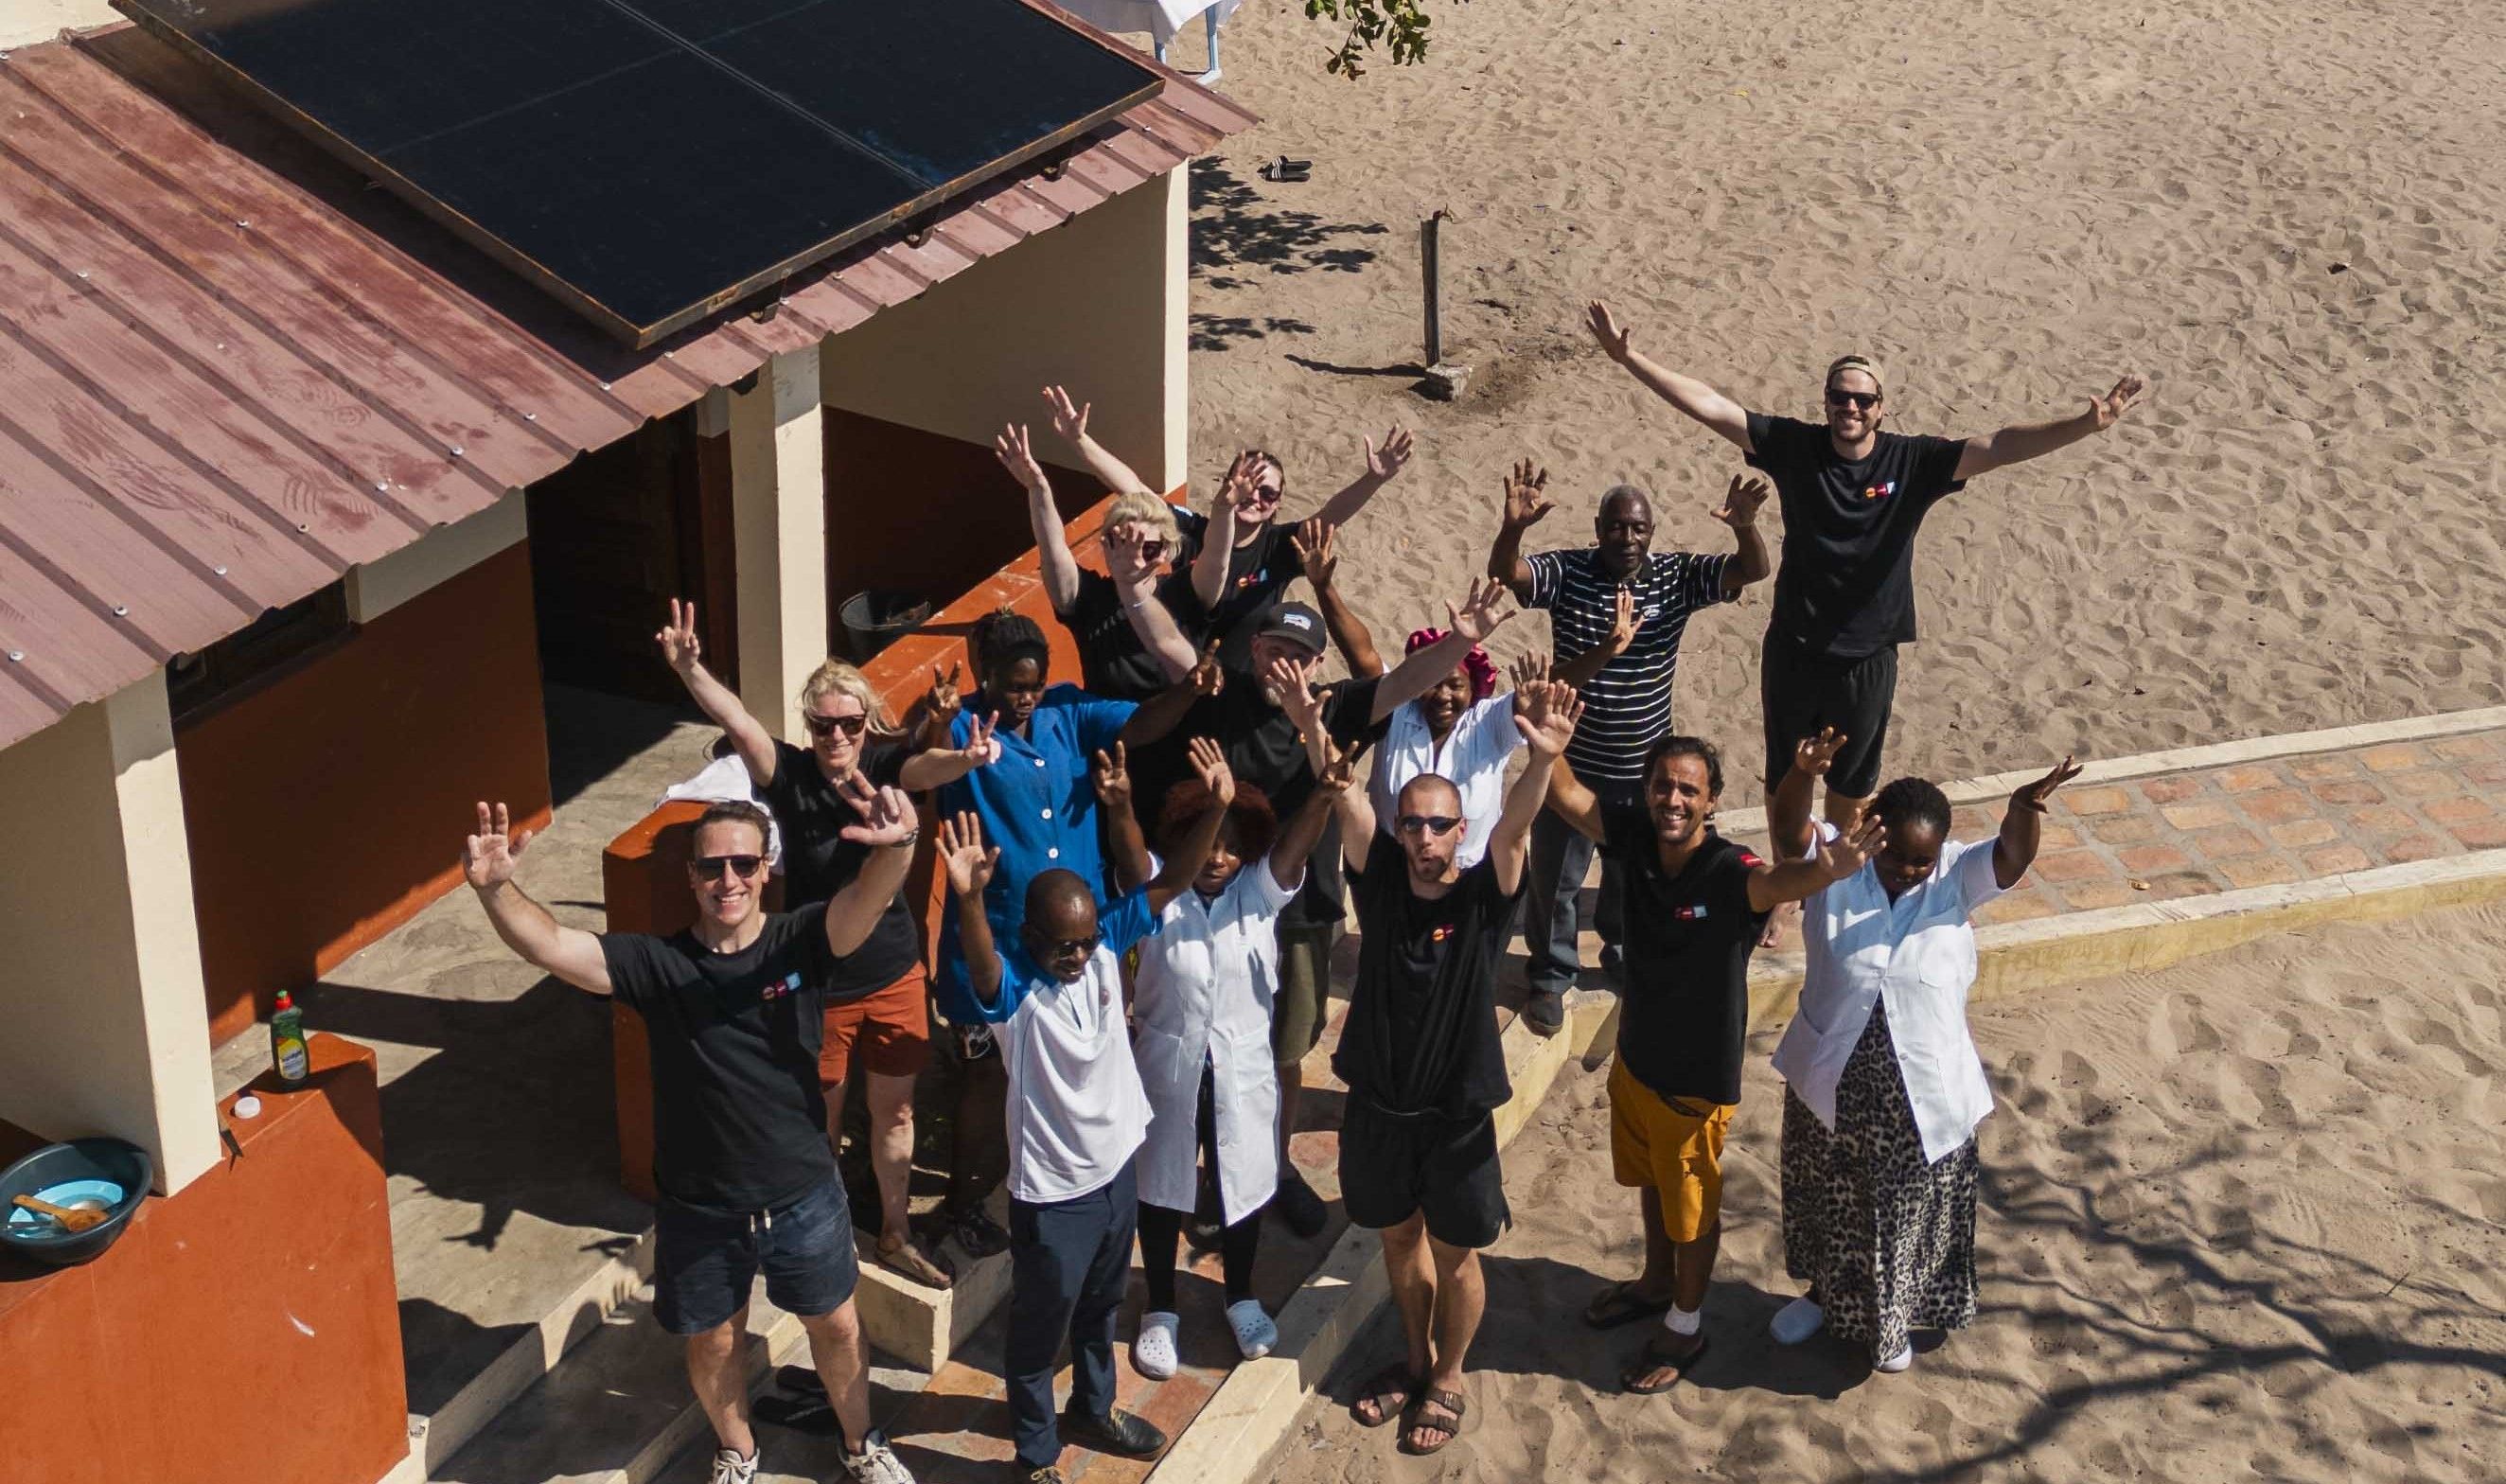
[
  {"x": 1153, "y": 1354},
  {"x": 1901, "y": 1361},
  {"x": 1256, "y": 1335},
  {"x": 1797, "y": 1322}
]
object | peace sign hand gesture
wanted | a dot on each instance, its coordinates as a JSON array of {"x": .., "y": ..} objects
[
  {"x": 2106, "y": 409},
  {"x": 1335, "y": 777},
  {"x": 1813, "y": 755},
  {"x": 1207, "y": 678},
  {"x": 982, "y": 748},
  {"x": 489, "y": 857},
  {"x": 1112, "y": 775},
  {"x": 1742, "y": 501},
  {"x": 887, "y": 818},
  {"x": 940, "y": 699},
  {"x": 679, "y": 639},
  {"x": 1525, "y": 503},
  {"x": 2033, "y": 797}
]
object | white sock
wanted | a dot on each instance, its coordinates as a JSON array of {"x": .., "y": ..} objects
[{"x": 1680, "y": 1320}]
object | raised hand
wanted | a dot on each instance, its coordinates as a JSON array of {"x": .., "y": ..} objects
[
  {"x": 2034, "y": 796},
  {"x": 1336, "y": 776},
  {"x": 1525, "y": 499},
  {"x": 489, "y": 857},
  {"x": 1244, "y": 477},
  {"x": 1606, "y": 329},
  {"x": 1623, "y": 621},
  {"x": 2114, "y": 403},
  {"x": 1815, "y": 755},
  {"x": 1112, "y": 775},
  {"x": 940, "y": 699},
  {"x": 1313, "y": 541},
  {"x": 1528, "y": 673},
  {"x": 1845, "y": 855},
  {"x": 1479, "y": 613},
  {"x": 1208, "y": 677},
  {"x": 1742, "y": 501},
  {"x": 1010, "y": 447},
  {"x": 983, "y": 748},
  {"x": 1124, "y": 561},
  {"x": 887, "y": 816},
  {"x": 1210, "y": 765},
  {"x": 1390, "y": 458},
  {"x": 679, "y": 639},
  {"x": 1555, "y": 712},
  {"x": 1069, "y": 422},
  {"x": 963, "y": 856},
  {"x": 1293, "y": 682}
]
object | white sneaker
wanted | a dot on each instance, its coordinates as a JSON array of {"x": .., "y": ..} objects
[
  {"x": 1797, "y": 1322},
  {"x": 1256, "y": 1335},
  {"x": 877, "y": 1462},
  {"x": 1153, "y": 1353},
  {"x": 729, "y": 1467},
  {"x": 1901, "y": 1361}
]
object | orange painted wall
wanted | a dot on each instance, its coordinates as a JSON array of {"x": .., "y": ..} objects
[
  {"x": 245, "y": 1330},
  {"x": 643, "y": 871},
  {"x": 324, "y": 808}
]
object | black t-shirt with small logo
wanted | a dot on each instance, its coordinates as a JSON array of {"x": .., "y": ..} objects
[
  {"x": 818, "y": 861},
  {"x": 1113, "y": 662},
  {"x": 1684, "y": 1013},
  {"x": 1257, "y": 573},
  {"x": 738, "y": 1119},
  {"x": 1422, "y": 1033},
  {"x": 1845, "y": 589}
]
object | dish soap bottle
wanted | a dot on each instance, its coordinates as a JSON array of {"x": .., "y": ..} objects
[{"x": 287, "y": 1052}]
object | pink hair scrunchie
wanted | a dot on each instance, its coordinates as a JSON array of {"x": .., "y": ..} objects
[{"x": 1476, "y": 665}]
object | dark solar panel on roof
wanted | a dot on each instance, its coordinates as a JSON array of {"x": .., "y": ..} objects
[{"x": 650, "y": 161}]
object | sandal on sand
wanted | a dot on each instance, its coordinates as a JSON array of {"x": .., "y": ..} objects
[
  {"x": 1389, "y": 1391},
  {"x": 1664, "y": 1350},
  {"x": 1416, "y": 1420},
  {"x": 905, "y": 1260},
  {"x": 1620, "y": 1304}
]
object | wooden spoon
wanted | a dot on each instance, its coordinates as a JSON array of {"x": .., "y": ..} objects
[{"x": 71, "y": 1219}]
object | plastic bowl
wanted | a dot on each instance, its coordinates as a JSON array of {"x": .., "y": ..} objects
[{"x": 84, "y": 1172}]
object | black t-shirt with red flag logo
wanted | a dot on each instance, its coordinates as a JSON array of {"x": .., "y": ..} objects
[
  {"x": 1845, "y": 589},
  {"x": 1684, "y": 1012}
]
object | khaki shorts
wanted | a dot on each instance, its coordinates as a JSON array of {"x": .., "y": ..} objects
[
  {"x": 1673, "y": 1147},
  {"x": 1303, "y": 1001}
]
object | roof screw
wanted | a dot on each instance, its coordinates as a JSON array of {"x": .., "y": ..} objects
[
  {"x": 14, "y": 654},
  {"x": 246, "y": 222},
  {"x": 457, "y": 451},
  {"x": 81, "y": 272},
  {"x": 530, "y": 416},
  {"x": 382, "y": 485},
  {"x": 301, "y": 526},
  {"x": 119, "y": 611},
  {"x": 604, "y": 387},
  {"x": 221, "y": 572}
]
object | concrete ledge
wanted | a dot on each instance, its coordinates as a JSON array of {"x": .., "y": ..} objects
[{"x": 923, "y": 1326}]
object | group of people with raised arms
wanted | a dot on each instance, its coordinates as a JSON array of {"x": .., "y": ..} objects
[{"x": 1147, "y": 873}]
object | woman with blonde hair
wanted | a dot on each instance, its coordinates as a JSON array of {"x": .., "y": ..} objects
[{"x": 878, "y": 1003}]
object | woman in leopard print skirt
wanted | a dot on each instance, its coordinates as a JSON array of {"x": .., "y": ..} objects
[{"x": 1883, "y": 1088}]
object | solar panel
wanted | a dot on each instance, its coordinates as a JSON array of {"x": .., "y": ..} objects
[{"x": 650, "y": 162}]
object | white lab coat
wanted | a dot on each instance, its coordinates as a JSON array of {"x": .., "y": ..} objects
[
  {"x": 1202, "y": 996},
  {"x": 1916, "y": 954}
]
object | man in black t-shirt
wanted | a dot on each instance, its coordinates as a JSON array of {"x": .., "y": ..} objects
[
  {"x": 1695, "y": 905},
  {"x": 1424, "y": 1067},
  {"x": 1852, "y": 498},
  {"x": 732, "y": 1010}
]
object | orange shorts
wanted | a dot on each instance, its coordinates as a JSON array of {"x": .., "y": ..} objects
[
  {"x": 892, "y": 1026},
  {"x": 1676, "y": 1154}
]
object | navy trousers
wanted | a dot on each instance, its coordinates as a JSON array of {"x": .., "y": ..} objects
[{"x": 1069, "y": 1262}]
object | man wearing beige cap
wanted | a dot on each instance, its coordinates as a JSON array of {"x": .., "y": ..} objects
[{"x": 1852, "y": 498}]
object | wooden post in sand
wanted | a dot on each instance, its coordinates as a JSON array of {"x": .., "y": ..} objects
[{"x": 1443, "y": 379}]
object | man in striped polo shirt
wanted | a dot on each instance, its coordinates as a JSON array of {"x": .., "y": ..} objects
[{"x": 1616, "y": 613}]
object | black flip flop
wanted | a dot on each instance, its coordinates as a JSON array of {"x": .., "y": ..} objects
[{"x": 1618, "y": 1303}]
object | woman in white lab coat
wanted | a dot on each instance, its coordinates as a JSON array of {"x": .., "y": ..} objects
[
  {"x": 1202, "y": 1012},
  {"x": 1883, "y": 1089}
]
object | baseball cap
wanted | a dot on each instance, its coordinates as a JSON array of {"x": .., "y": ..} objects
[{"x": 1294, "y": 623}]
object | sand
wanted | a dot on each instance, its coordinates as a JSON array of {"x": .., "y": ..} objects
[
  {"x": 2245, "y": 1219},
  {"x": 2286, "y": 213}
]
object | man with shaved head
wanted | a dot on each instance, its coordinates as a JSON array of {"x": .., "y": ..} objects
[
  {"x": 1617, "y": 612},
  {"x": 1419, "y": 1053}
]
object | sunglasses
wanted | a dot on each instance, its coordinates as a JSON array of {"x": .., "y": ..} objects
[
  {"x": 708, "y": 867},
  {"x": 821, "y": 726},
  {"x": 1430, "y": 824},
  {"x": 1059, "y": 947},
  {"x": 1865, "y": 400}
]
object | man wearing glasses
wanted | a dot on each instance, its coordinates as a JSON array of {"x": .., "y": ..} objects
[
  {"x": 1424, "y": 1066},
  {"x": 732, "y": 1009},
  {"x": 1852, "y": 498}
]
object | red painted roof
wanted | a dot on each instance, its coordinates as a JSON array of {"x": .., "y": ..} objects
[{"x": 229, "y": 371}]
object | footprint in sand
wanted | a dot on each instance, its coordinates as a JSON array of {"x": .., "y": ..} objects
[{"x": 2178, "y": 1028}]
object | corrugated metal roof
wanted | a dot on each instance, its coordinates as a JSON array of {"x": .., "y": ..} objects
[{"x": 229, "y": 371}]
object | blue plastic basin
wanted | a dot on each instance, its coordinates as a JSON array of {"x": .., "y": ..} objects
[{"x": 109, "y": 1172}]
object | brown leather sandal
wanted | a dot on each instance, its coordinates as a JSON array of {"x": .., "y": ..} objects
[
  {"x": 906, "y": 1261},
  {"x": 1389, "y": 1391},
  {"x": 1415, "y": 1420}
]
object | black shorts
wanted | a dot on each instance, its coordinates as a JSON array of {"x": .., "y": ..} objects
[
  {"x": 1392, "y": 1164},
  {"x": 1801, "y": 694},
  {"x": 706, "y": 1258}
]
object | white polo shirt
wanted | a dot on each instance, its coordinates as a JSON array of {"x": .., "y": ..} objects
[
  {"x": 1472, "y": 755},
  {"x": 1077, "y": 1112},
  {"x": 1917, "y": 956}
]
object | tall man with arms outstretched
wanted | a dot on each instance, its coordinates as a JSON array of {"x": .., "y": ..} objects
[
  {"x": 1852, "y": 498},
  {"x": 732, "y": 1008}
]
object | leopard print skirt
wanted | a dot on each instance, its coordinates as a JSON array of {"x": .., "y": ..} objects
[{"x": 1886, "y": 1238}]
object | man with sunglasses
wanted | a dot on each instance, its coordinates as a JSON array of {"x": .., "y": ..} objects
[
  {"x": 1852, "y": 498},
  {"x": 1077, "y": 1114},
  {"x": 1424, "y": 1066},
  {"x": 732, "y": 1006}
]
